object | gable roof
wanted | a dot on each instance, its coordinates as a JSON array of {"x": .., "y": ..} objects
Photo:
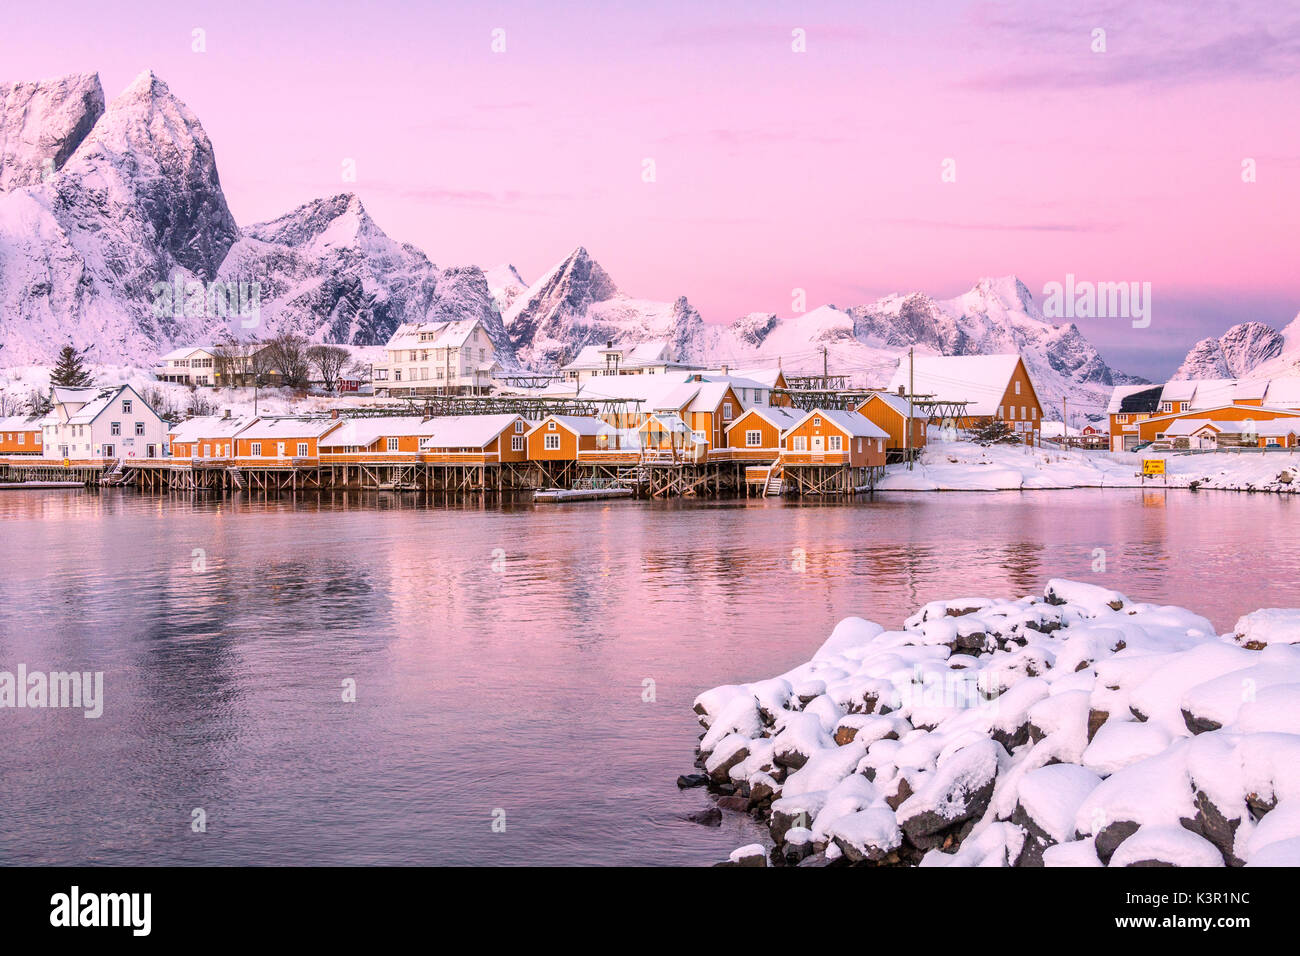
[
  {"x": 209, "y": 426},
  {"x": 851, "y": 423},
  {"x": 186, "y": 351},
  {"x": 979, "y": 380},
  {"x": 364, "y": 432},
  {"x": 778, "y": 416},
  {"x": 895, "y": 401},
  {"x": 1190, "y": 426},
  {"x": 464, "y": 431},
  {"x": 578, "y": 424},
  {"x": 286, "y": 428},
  {"x": 91, "y": 410},
  {"x": 445, "y": 334},
  {"x": 640, "y": 355},
  {"x": 21, "y": 423}
]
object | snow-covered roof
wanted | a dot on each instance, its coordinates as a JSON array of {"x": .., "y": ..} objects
[
  {"x": 766, "y": 377},
  {"x": 646, "y": 388},
  {"x": 1190, "y": 426},
  {"x": 979, "y": 380},
  {"x": 185, "y": 352},
  {"x": 578, "y": 424},
  {"x": 851, "y": 423},
  {"x": 284, "y": 428},
  {"x": 640, "y": 355},
  {"x": 92, "y": 409},
  {"x": 708, "y": 397},
  {"x": 209, "y": 426},
  {"x": 68, "y": 395},
  {"x": 442, "y": 335},
  {"x": 464, "y": 431},
  {"x": 1283, "y": 392},
  {"x": 1132, "y": 398},
  {"x": 776, "y": 415},
  {"x": 364, "y": 432},
  {"x": 20, "y": 423},
  {"x": 897, "y": 402}
]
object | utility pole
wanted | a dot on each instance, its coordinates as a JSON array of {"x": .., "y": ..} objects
[
  {"x": 911, "y": 392},
  {"x": 826, "y": 368},
  {"x": 1065, "y": 422}
]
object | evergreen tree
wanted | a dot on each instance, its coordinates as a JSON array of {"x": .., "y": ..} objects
[
  {"x": 69, "y": 370},
  {"x": 994, "y": 432}
]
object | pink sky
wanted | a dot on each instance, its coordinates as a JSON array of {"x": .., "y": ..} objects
[{"x": 775, "y": 169}]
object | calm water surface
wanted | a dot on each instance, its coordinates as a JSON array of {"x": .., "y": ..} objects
[{"x": 499, "y": 654}]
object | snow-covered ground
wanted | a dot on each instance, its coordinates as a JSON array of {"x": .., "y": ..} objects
[
  {"x": 1079, "y": 728},
  {"x": 19, "y": 384},
  {"x": 964, "y": 466}
]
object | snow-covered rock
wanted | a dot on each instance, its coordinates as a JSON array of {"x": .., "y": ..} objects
[
  {"x": 42, "y": 123},
  {"x": 1100, "y": 731}
]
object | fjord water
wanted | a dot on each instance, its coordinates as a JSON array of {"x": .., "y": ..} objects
[{"x": 500, "y": 654}]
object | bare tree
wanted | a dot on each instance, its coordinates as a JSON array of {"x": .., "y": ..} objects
[
  {"x": 287, "y": 354},
  {"x": 328, "y": 361}
]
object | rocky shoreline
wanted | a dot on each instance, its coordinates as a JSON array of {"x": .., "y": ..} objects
[{"x": 1079, "y": 728}]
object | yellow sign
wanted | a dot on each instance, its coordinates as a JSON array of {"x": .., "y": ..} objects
[{"x": 1153, "y": 466}]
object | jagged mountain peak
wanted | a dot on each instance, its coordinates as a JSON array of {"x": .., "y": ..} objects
[
  {"x": 42, "y": 123},
  {"x": 338, "y": 221},
  {"x": 1236, "y": 353}
]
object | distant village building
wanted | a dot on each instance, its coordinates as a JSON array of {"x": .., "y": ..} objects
[
  {"x": 106, "y": 423},
  {"x": 436, "y": 358},
  {"x": 994, "y": 387},
  {"x": 190, "y": 365},
  {"x": 645, "y": 358},
  {"x": 892, "y": 412},
  {"x": 208, "y": 436},
  {"x": 1141, "y": 414},
  {"x": 21, "y": 435}
]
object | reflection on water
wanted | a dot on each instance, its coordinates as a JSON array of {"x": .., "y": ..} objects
[{"x": 499, "y": 654}]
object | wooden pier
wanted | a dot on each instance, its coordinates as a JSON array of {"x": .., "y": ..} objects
[{"x": 639, "y": 477}]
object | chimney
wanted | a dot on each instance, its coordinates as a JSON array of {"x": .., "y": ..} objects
[
  {"x": 227, "y": 413},
  {"x": 724, "y": 368},
  {"x": 901, "y": 393}
]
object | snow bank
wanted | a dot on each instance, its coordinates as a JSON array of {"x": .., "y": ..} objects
[
  {"x": 964, "y": 466},
  {"x": 1076, "y": 729}
]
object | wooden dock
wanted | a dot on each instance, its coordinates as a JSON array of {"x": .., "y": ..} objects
[{"x": 615, "y": 476}]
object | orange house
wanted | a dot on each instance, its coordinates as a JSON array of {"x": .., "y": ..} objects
[
  {"x": 564, "y": 437},
  {"x": 890, "y": 412},
  {"x": 475, "y": 439},
  {"x": 207, "y": 436},
  {"x": 20, "y": 435},
  {"x": 282, "y": 440},
  {"x": 1153, "y": 429},
  {"x": 756, "y": 434},
  {"x": 834, "y": 437},
  {"x": 992, "y": 386},
  {"x": 374, "y": 439}
]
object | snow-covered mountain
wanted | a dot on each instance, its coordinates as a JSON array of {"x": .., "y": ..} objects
[
  {"x": 136, "y": 201},
  {"x": 42, "y": 123},
  {"x": 577, "y": 303},
  {"x": 1238, "y": 352}
]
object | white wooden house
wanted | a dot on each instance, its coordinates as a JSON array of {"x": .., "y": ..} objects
[{"x": 104, "y": 423}]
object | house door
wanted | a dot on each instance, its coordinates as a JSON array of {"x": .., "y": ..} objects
[
  {"x": 151, "y": 451},
  {"x": 279, "y": 450},
  {"x": 818, "y": 444},
  {"x": 108, "y": 451},
  {"x": 207, "y": 451}
]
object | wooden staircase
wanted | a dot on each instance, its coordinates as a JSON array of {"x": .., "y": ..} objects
[
  {"x": 773, "y": 485},
  {"x": 114, "y": 474},
  {"x": 236, "y": 476}
]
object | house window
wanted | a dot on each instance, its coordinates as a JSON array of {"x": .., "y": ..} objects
[
  {"x": 835, "y": 443},
  {"x": 817, "y": 422},
  {"x": 859, "y": 444},
  {"x": 800, "y": 443},
  {"x": 256, "y": 449},
  {"x": 1000, "y": 415},
  {"x": 550, "y": 426},
  {"x": 139, "y": 428},
  {"x": 1017, "y": 387},
  {"x": 552, "y": 442},
  {"x": 1023, "y": 416},
  {"x": 115, "y": 428},
  {"x": 1166, "y": 406},
  {"x": 753, "y": 439},
  {"x": 1011, "y": 413},
  {"x": 519, "y": 426},
  {"x": 1034, "y": 412},
  {"x": 1121, "y": 418},
  {"x": 726, "y": 411},
  {"x": 126, "y": 406},
  {"x": 517, "y": 442},
  {"x": 393, "y": 444},
  {"x": 302, "y": 449}
]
